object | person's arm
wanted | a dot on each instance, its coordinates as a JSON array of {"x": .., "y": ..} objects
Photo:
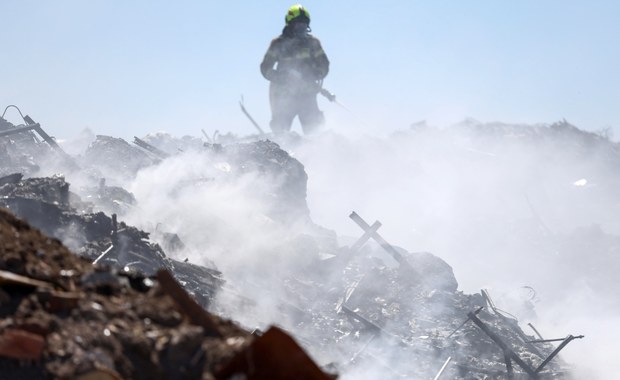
[
  {"x": 320, "y": 61},
  {"x": 270, "y": 59}
]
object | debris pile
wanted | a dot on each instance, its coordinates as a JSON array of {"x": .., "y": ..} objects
[
  {"x": 63, "y": 317},
  {"x": 115, "y": 158},
  {"x": 403, "y": 317},
  {"x": 44, "y": 203},
  {"x": 113, "y": 306}
]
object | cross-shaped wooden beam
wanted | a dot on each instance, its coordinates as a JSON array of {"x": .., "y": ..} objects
[{"x": 371, "y": 231}]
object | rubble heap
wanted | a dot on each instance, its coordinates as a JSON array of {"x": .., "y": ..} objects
[
  {"x": 44, "y": 202},
  {"x": 70, "y": 319},
  {"x": 352, "y": 307},
  {"x": 360, "y": 310},
  {"x": 81, "y": 318}
]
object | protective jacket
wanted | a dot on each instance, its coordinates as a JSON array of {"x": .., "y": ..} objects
[
  {"x": 295, "y": 65},
  {"x": 301, "y": 62}
]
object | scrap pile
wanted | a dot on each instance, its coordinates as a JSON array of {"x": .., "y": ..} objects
[
  {"x": 114, "y": 308},
  {"x": 403, "y": 317},
  {"x": 45, "y": 203},
  {"x": 64, "y": 317}
]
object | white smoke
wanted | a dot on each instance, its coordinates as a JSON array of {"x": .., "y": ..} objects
[
  {"x": 522, "y": 210},
  {"x": 515, "y": 209}
]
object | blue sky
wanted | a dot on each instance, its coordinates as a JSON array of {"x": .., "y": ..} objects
[{"x": 126, "y": 68}]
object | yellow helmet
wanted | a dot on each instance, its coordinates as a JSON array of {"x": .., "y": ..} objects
[{"x": 297, "y": 11}]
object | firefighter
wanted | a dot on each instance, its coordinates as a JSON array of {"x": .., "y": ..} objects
[{"x": 295, "y": 64}]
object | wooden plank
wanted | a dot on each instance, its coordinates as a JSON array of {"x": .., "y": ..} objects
[
  {"x": 10, "y": 278},
  {"x": 187, "y": 304},
  {"x": 272, "y": 356}
]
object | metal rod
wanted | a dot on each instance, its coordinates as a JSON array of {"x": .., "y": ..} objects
[
  {"x": 535, "y": 331},
  {"x": 260, "y": 130},
  {"x": 443, "y": 367},
  {"x": 332, "y": 98},
  {"x": 557, "y": 351},
  {"x": 546, "y": 340},
  {"x": 48, "y": 139},
  {"x": 507, "y": 351},
  {"x": 17, "y": 130},
  {"x": 13, "y": 106},
  {"x": 103, "y": 254}
]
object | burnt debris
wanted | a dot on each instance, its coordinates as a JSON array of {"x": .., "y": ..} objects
[
  {"x": 44, "y": 202},
  {"x": 83, "y": 293},
  {"x": 63, "y": 317}
]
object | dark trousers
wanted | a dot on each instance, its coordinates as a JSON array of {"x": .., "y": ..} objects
[{"x": 286, "y": 104}]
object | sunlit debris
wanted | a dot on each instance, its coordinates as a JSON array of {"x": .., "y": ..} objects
[
  {"x": 372, "y": 313},
  {"x": 63, "y": 317},
  {"x": 48, "y": 205},
  {"x": 390, "y": 289},
  {"x": 22, "y": 151},
  {"x": 150, "y": 148},
  {"x": 31, "y": 126},
  {"x": 510, "y": 355}
]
